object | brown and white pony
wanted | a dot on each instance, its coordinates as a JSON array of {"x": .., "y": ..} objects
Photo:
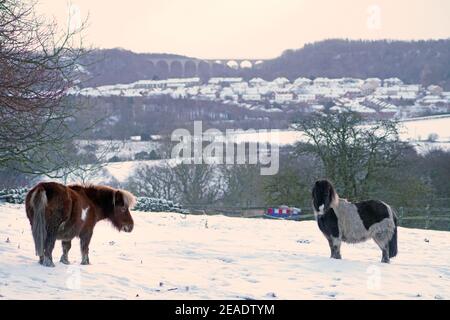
[{"x": 59, "y": 212}]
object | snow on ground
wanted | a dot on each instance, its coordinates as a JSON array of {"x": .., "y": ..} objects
[
  {"x": 124, "y": 149},
  {"x": 172, "y": 256},
  {"x": 123, "y": 170},
  {"x": 421, "y": 128}
]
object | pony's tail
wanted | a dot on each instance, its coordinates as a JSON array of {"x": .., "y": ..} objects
[
  {"x": 393, "y": 248},
  {"x": 38, "y": 228}
]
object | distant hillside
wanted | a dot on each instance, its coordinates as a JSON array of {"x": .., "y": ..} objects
[
  {"x": 113, "y": 66},
  {"x": 425, "y": 62}
]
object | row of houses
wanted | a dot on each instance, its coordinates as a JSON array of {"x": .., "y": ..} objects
[{"x": 369, "y": 95}]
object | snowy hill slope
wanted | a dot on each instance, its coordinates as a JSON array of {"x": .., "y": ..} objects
[{"x": 172, "y": 256}]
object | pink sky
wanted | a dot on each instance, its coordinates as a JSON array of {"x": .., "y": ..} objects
[{"x": 250, "y": 28}]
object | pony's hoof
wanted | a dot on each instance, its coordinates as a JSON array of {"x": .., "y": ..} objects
[
  {"x": 85, "y": 262},
  {"x": 47, "y": 262},
  {"x": 64, "y": 260},
  {"x": 385, "y": 261}
]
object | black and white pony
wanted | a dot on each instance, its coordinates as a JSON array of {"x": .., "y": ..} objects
[{"x": 340, "y": 220}]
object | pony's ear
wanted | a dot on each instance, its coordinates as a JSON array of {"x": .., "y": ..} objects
[{"x": 118, "y": 199}]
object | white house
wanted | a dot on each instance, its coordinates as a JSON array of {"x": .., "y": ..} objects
[
  {"x": 392, "y": 82},
  {"x": 283, "y": 97},
  {"x": 251, "y": 97},
  {"x": 182, "y": 82},
  {"x": 369, "y": 87},
  {"x": 150, "y": 84},
  {"x": 322, "y": 82},
  {"x": 376, "y": 82},
  {"x": 405, "y": 92},
  {"x": 306, "y": 97},
  {"x": 220, "y": 81},
  {"x": 210, "y": 89},
  {"x": 433, "y": 99},
  {"x": 257, "y": 82},
  {"x": 193, "y": 91},
  {"x": 281, "y": 82},
  {"x": 228, "y": 94},
  {"x": 208, "y": 96},
  {"x": 317, "y": 107},
  {"x": 433, "y": 89},
  {"x": 300, "y": 82},
  {"x": 350, "y": 82},
  {"x": 179, "y": 93},
  {"x": 239, "y": 87}
]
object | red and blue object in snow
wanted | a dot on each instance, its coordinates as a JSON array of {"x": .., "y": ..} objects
[{"x": 283, "y": 212}]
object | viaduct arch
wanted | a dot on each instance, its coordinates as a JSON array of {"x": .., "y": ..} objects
[{"x": 164, "y": 68}]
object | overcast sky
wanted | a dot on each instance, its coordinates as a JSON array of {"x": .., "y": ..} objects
[{"x": 248, "y": 28}]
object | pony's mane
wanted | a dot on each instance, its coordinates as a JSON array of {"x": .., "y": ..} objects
[
  {"x": 128, "y": 198},
  {"x": 334, "y": 196},
  {"x": 82, "y": 185}
]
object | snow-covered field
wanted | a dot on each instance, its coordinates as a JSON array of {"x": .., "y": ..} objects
[
  {"x": 172, "y": 256},
  {"x": 421, "y": 128}
]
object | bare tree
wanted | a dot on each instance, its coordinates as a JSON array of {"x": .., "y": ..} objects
[
  {"x": 292, "y": 184},
  {"x": 189, "y": 184},
  {"x": 197, "y": 184},
  {"x": 243, "y": 185},
  {"x": 351, "y": 149},
  {"x": 88, "y": 161},
  {"x": 38, "y": 65},
  {"x": 154, "y": 181}
]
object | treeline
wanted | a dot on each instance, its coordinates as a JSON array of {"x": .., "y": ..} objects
[
  {"x": 423, "y": 62},
  {"x": 122, "y": 117}
]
